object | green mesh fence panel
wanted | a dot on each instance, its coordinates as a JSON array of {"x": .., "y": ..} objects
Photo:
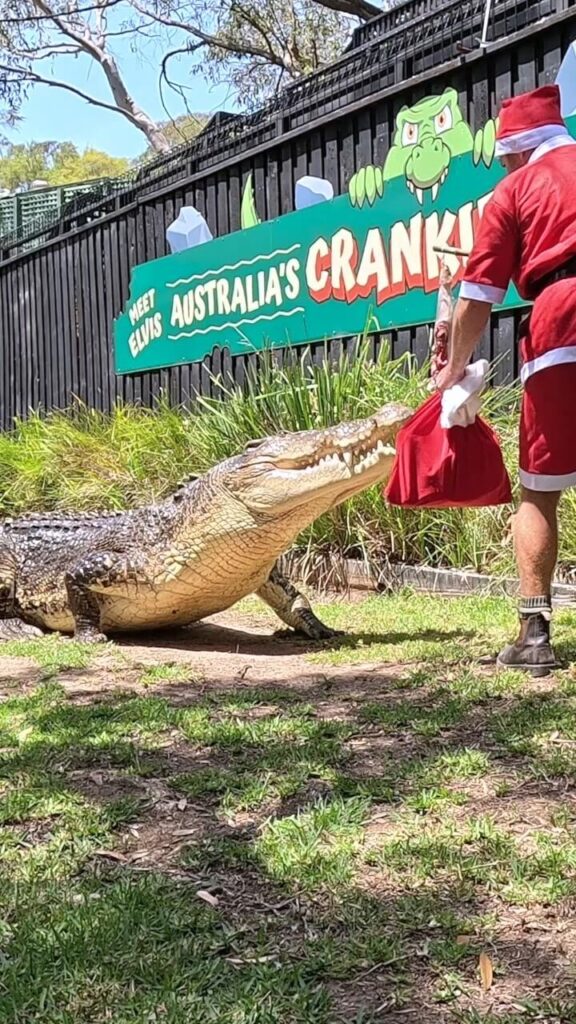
[{"x": 17, "y": 211}]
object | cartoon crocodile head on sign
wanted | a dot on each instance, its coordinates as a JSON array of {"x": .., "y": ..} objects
[{"x": 427, "y": 136}]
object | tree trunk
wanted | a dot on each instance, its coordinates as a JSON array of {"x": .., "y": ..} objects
[{"x": 124, "y": 101}]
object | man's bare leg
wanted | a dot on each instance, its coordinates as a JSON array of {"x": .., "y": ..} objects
[
  {"x": 536, "y": 547},
  {"x": 536, "y": 541}
]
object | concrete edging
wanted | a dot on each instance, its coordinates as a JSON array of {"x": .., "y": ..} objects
[{"x": 360, "y": 575}]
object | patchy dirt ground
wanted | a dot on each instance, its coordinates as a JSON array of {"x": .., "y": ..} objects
[{"x": 361, "y": 830}]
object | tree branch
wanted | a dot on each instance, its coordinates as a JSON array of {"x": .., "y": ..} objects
[
  {"x": 84, "y": 41},
  {"x": 163, "y": 77},
  {"x": 46, "y": 52},
  {"x": 237, "y": 48},
  {"x": 259, "y": 28},
  {"x": 96, "y": 49},
  {"x": 362, "y": 9},
  {"x": 31, "y": 18},
  {"x": 26, "y": 75}
]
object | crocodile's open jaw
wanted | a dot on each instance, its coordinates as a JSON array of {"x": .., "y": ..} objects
[{"x": 318, "y": 466}]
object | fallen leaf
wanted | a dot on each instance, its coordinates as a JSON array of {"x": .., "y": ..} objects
[
  {"x": 486, "y": 972},
  {"x": 182, "y": 805},
  {"x": 463, "y": 940},
  {"x": 111, "y": 855},
  {"x": 184, "y": 832},
  {"x": 213, "y": 901},
  {"x": 239, "y": 961}
]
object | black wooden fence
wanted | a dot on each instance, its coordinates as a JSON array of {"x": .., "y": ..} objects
[{"x": 62, "y": 283}]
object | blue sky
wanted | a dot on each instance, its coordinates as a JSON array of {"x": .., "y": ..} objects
[{"x": 54, "y": 114}]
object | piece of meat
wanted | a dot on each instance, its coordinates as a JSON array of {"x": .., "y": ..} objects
[{"x": 442, "y": 324}]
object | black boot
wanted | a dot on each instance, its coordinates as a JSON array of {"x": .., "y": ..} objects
[{"x": 532, "y": 652}]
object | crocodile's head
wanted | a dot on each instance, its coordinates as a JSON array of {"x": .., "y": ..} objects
[
  {"x": 427, "y": 136},
  {"x": 315, "y": 469}
]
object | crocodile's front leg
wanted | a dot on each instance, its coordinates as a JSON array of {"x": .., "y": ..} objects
[
  {"x": 11, "y": 627},
  {"x": 293, "y": 608},
  {"x": 85, "y": 584}
]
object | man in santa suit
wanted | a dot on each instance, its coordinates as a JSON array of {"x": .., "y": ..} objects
[{"x": 527, "y": 235}]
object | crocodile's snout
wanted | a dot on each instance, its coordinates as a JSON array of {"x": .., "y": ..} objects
[
  {"x": 427, "y": 167},
  {"x": 319, "y": 467}
]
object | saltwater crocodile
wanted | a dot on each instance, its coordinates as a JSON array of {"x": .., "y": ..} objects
[{"x": 215, "y": 540}]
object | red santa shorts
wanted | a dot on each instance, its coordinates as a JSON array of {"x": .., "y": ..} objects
[
  {"x": 548, "y": 421},
  {"x": 548, "y": 429}
]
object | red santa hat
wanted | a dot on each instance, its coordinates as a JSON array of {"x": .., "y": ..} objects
[{"x": 526, "y": 121}]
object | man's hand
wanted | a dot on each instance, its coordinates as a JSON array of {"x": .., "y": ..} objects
[
  {"x": 469, "y": 320},
  {"x": 447, "y": 378}
]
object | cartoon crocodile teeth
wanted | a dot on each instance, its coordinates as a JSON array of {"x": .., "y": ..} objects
[
  {"x": 419, "y": 191},
  {"x": 427, "y": 136}
]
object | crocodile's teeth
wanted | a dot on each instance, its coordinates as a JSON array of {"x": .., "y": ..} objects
[
  {"x": 435, "y": 188},
  {"x": 349, "y": 460},
  {"x": 410, "y": 185},
  {"x": 420, "y": 196}
]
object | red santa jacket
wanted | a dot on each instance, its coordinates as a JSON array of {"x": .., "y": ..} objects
[{"x": 527, "y": 230}]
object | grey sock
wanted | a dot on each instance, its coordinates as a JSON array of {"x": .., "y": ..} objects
[{"x": 536, "y": 605}]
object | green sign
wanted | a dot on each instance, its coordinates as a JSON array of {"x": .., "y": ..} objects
[{"x": 365, "y": 258}]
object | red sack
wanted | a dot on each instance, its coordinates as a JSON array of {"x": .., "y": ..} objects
[{"x": 461, "y": 467}]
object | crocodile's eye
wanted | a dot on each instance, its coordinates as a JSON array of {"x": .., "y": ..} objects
[
  {"x": 409, "y": 133},
  {"x": 443, "y": 121}
]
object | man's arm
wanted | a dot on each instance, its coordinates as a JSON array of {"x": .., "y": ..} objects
[
  {"x": 470, "y": 319},
  {"x": 492, "y": 263}
]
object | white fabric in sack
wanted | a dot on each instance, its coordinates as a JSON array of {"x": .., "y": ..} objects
[{"x": 461, "y": 402}]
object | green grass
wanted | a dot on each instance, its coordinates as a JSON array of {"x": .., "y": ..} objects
[
  {"x": 52, "y": 653},
  {"x": 476, "y": 853},
  {"x": 157, "y": 675},
  {"x": 365, "y": 836}
]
